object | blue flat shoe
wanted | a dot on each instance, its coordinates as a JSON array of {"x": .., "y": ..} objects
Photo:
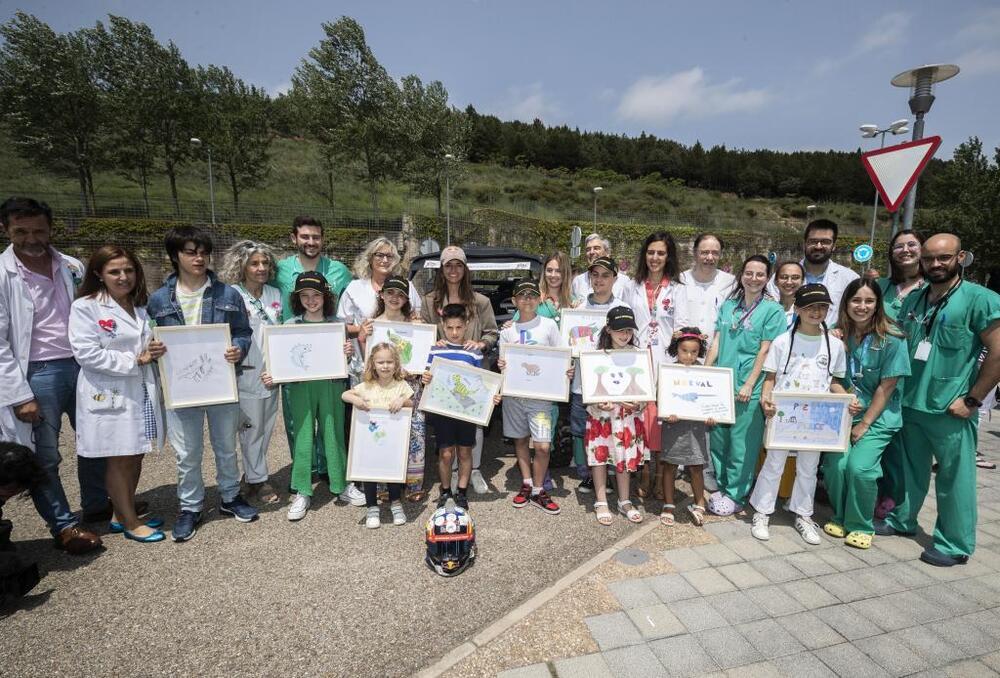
[
  {"x": 156, "y": 536},
  {"x": 932, "y": 556},
  {"x": 118, "y": 528}
]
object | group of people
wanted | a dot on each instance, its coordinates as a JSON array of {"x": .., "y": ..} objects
[{"x": 919, "y": 349}]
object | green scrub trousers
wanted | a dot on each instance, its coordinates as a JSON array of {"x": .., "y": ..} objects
[
  {"x": 318, "y": 413},
  {"x": 735, "y": 449},
  {"x": 852, "y": 479}
]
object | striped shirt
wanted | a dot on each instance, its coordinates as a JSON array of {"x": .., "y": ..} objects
[{"x": 457, "y": 353}]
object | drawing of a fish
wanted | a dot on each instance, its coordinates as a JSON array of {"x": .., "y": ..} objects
[
  {"x": 297, "y": 355},
  {"x": 689, "y": 397}
]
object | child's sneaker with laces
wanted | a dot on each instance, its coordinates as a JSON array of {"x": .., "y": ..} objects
[
  {"x": 398, "y": 516},
  {"x": 759, "y": 527},
  {"x": 809, "y": 530},
  {"x": 372, "y": 521},
  {"x": 520, "y": 500},
  {"x": 543, "y": 501}
]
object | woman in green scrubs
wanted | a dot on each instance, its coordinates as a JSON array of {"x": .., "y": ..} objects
[
  {"x": 747, "y": 323},
  {"x": 877, "y": 358}
]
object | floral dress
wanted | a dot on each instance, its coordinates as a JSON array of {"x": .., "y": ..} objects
[{"x": 615, "y": 438}]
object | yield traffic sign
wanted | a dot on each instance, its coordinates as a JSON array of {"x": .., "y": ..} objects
[{"x": 895, "y": 169}]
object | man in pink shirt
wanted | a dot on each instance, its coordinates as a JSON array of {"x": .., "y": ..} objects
[{"x": 37, "y": 369}]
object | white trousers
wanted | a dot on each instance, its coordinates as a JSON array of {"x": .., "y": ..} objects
[
  {"x": 257, "y": 419},
  {"x": 765, "y": 492}
]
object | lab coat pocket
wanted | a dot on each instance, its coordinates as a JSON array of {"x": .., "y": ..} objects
[{"x": 105, "y": 399}]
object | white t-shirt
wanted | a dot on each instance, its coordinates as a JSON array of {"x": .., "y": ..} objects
[
  {"x": 577, "y": 385},
  {"x": 191, "y": 303},
  {"x": 536, "y": 332},
  {"x": 810, "y": 368},
  {"x": 698, "y": 303},
  {"x": 582, "y": 289}
]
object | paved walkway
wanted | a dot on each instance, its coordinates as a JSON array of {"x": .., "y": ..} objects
[{"x": 741, "y": 607}]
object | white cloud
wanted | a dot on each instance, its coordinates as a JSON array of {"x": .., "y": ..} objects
[
  {"x": 686, "y": 94},
  {"x": 980, "y": 61},
  {"x": 886, "y": 31},
  {"x": 280, "y": 88},
  {"x": 984, "y": 27},
  {"x": 528, "y": 103}
]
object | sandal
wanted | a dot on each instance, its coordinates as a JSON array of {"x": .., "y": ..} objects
[
  {"x": 697, "y": 514},
  {"x": 603, "y": 517},
  {"x": 417, "y": 497},
  {"x": 268, "y": 494},
  {"x": 835, "y": 530},
  {"x": 667, "y": 515},
  {"x": 632, "y": 513},
  {"x": 982, "y": 462},
  {"x": 859, "y": 540}
]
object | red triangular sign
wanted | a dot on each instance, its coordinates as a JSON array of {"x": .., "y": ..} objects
[{"x": 895, "y": 169}]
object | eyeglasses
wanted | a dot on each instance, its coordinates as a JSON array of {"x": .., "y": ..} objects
[
  {"x": 385, "y": 256},
  {"x": 900, "y": 246},
  {"x": 826, "y": 242}
]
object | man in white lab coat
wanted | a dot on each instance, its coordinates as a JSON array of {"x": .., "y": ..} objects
[
  {"x": 597, "y": 246},
  {"x": 37, "y": 369}
]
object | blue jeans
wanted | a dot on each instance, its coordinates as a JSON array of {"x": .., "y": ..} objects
[
  {"x": 53, "y": 383},
  {"x": 186, "y": 431}
]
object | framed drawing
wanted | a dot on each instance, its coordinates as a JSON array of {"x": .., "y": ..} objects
[
  {"x": 194, "y": 370},
  {"x": 624, "y": 375},
  {"x": 460, "y": 391},
  {"x": 813, "y": 422},
  {"x": 696, "y": 393},
  {"x": 537, "y": 372},
  {"x": 580, "y": 328},
  {"x": 380, "y": 443},
  {"x": 305, "y": 352},
  {"x": 413, "y": 341}
]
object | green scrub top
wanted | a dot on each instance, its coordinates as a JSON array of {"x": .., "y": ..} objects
[
  {"x": 546, "y": 309},
  {"x": 884, "y": 359},
  {"x": 953, "y": 364},
  {"x": 337, "y": 276},
  {"x": 890, "y": 297},
  {"x": 738, "y": 347}
]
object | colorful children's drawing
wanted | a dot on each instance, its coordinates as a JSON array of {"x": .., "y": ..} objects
[
  {"x": 617, "y": 376},
  {"x": 580, "y": 328},
  {"x": 460, "y": 391},
  {"x": 531, "y": 369},
  {"x": 536, "y": 372},
  {"x": 412, "y": 340},
  {"x": 695, "y": 393},
  {"x": 810, "y": 421},
  {"x": 403, "y": 345}
]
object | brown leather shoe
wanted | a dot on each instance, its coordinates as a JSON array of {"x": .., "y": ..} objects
[{"x": 77, "y": 541}]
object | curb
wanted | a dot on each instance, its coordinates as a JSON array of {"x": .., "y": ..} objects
[{"x": 516, "y": 615}]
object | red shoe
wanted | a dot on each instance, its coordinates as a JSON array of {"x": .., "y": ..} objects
[
  {"x": 543, "y": 501},
  {"x": 520, "y": 499}
]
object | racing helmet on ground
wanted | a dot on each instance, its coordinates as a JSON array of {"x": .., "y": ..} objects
[{"x": 451, "y": 540}]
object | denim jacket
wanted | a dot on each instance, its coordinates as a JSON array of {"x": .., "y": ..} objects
[{"x": 221, "y": 304}]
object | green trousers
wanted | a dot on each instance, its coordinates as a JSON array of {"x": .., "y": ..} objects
[
  {"x": 891, "y": 482},
  {"x": 852, "y": 479},
  {"x": 952, "y": 442},
  {"x": 317, "y": 413},
  {"x": 735, "y": 449},
  {"x": 319, "y": 457}
]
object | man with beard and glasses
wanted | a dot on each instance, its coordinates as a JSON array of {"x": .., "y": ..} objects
[
  {"x": 947, "y": 325},
  {"x": 820, "y": 240}
]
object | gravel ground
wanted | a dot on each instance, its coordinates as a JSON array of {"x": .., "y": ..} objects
[{"x": 321, "y": 596}]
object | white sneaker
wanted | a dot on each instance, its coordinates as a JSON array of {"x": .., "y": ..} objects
[
  {"x": 454, "y": 479},
  {"x": 708, "y": 474},
  {"x": 809, "y": 530},
  {"x": 398, "y": 516},
  {"x": 478, "y": 483},
  {"x": 299, "y": 507},
  {"x": 372, "y": 522},
  {"x": 759, "y": 527},
  {"x": 353, "y": 496}
]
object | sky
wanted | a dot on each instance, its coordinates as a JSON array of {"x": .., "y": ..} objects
[{"x": 766, "y": 74}]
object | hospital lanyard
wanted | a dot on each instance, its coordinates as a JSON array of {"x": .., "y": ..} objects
[
  {"x": 257, "y": 306},
  {"x": 928, "y": 323},
  {"x": 753, "y": 307},
  {"x": 652, "y": 293},
  {"x": 859, "y": 371}
]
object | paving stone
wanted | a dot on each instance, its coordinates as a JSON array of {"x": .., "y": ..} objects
[
  {"x": 612, "y": 630},
  {"x": 633, "y": 593},
  {"x": 656, "y": 621},
  {"x": 929, "y": 645},
  {"x": 844, "y": 586},
  {"x": 533, "y": 671},
  {"x": 683, "y": 656},
  {"x": 587, "y": 666},
  {"x": 777, "y": 569},
  {"x": 802, "y": 665},
  {"x": 841, "y": 559},
  {"x": 737, "y": 607},
  {"x": 992, "y": 660},
  {"x": 810, "y": 564},
  {"x": 945, "y": 597},
  {"x": 892, "y": 655},
  {"x": 810, "y": 594},
  {"x": 878, "y": 580},
  {"x": 743, "y": 575},
  {"x": 783, "y": 546},
  {"x": 727, "y": 530},
  {"x": 970, "y": 569},
  {"x": 919, "y": 608},
  {"x": 906, "y": 574},
  {"x": 697, "y": 615},
  {"x": 847, "y": 622},
  {"x": 990, "y": 528},
  {"x": 810, "y": 630},
  {"x": 728, "y": 647},
  {"x": 671, "y": 587},
  {"x": 988, "y": 557},
  {"x": 749, "y": 548},
  {"x": 637, "y": 660},
  {"x": 900, "y": 548},
  {"x": 874, "y": 557},
  {"x": 966, "y": 636},
  {"x": 987, "y": 620},
  {"x": 685, "y": 559},
  {"x": 708, "y": 581},
  {"x": 970, "y": 668},
  {"x": 883, "y": 613},
  {"x": 847, "y": 660},
  {"x": 717, "y": 554},
  {"x": 770, "y": 638},
  {"x": 774, "y": 601},
  {"x": 758, "y": 670}
]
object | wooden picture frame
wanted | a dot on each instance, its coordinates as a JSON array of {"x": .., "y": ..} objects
[
  {"x": 380, "y": 445},
  {"x": 414, "y": 342},
  {"x": 194, "y": 371},
  {"x": 580, "y": 327},
  {"x": 617, "y": 376},
  {"x": 695, "y": 393},
  {"x": 536, "y": 372},
  {"x": 305, "y": 352},
  {"x": 810, "y": 422},
  {"x": 460, "y": 391}
]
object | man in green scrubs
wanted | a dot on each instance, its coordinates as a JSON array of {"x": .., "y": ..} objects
[{"x": 947, "y": 324}]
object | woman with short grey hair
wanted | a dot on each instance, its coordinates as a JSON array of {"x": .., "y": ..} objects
[{"x": 247, "y": 266}]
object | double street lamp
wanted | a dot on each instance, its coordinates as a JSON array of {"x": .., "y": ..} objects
[{"x": 197, "y": 143}]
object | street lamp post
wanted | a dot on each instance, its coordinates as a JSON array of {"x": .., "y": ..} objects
[
  {"x": 197, "y": 143},
  {"x": 448, "y": 157},
  {"x": 596, "y": 190},
  {"x": 810, "y": 209},
  {"x": 870, "y": 131},
  {"x": 921, "y": 81}
]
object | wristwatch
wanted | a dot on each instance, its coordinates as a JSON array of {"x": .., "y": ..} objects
[{"x": 971, "y": 402}]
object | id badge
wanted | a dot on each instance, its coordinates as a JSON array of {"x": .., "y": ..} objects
[{"x": 923, "y": 351}]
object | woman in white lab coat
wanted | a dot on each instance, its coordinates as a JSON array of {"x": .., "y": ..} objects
[{"x": 117, "y": 406}]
